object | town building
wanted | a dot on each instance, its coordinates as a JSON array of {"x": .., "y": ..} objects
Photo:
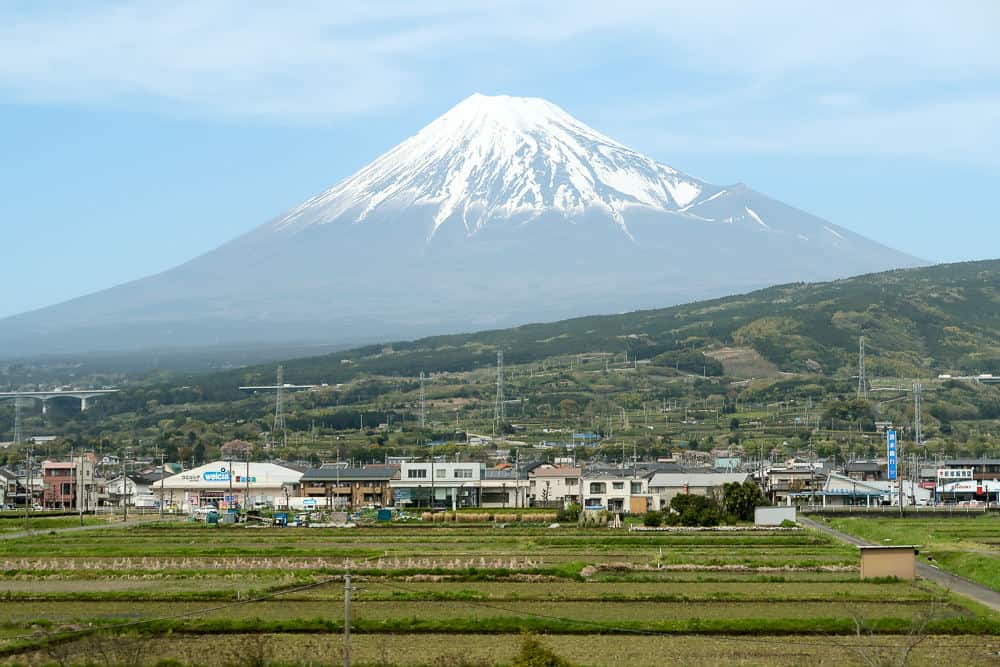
[
  {"x": 70, "y": 484},
  {"x": 134, "y": 490},
  {"x": 664, "y": 486},
  {"x": 338, "y": 487},
  {"x": 794, "y": 477},
  {"x": 616, "y": 491},
  {"x": 555, "y": 485},
  {"x": 9, "y": 488},
  {"x": 505, "y": 486},
  {"x": 439, "y": 485},
  {"x": 245, "y": 485},
  {"x": 865, "y": 470}
]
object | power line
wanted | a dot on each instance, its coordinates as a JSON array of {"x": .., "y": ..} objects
[
  {"x": 423, "y": 398},
  {"x": 499, "y": 413},
  {"x": 279, "y": 412},
  {"x": 862, "y": 380}
]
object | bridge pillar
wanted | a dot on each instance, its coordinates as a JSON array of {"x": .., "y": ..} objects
[
  {"x": 45, "y": 407},
  {"x": 83, "y": 403}
]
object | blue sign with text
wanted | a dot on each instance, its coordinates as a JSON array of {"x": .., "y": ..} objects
[{"x": 890, "y": 447}]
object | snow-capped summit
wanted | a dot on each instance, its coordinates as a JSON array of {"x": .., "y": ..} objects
[
  {"x": 502, "y": 211},
  {"x": 498, "y": 156}
]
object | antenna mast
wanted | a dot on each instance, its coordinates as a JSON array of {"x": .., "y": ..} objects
[
  {"x": 499, "y": 416},
  {"x": 279, "y": 412},
  {"x": 862, "y": 380}
]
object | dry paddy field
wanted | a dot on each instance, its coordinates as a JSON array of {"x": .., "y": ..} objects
[{"x": 468, "y": 595}]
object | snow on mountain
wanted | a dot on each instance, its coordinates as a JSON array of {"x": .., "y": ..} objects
[
  {"x": 504, "y": 210},
  {"x": 501, "y": 157}
]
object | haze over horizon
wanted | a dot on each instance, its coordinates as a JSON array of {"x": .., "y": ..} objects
[{"x": 134, "y": 151}]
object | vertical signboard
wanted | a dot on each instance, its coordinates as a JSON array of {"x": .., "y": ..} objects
[{"x": 890, "y": 446}]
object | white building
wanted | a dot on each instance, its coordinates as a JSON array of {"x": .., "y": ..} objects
[
  {"x": 136, "y": 489},
  {"x": 555, "y": 485},
  {"x": 616, "y": 492},
  {"x": 444, "y": 485},
  {"x": 246, "y": 485},
  {"x": 665, "y": 485}
]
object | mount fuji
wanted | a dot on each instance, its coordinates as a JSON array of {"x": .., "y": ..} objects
[{"x": 502, "y": 211}]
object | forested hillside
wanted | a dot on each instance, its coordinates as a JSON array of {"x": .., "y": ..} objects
[{"x": 916, "y": 322}]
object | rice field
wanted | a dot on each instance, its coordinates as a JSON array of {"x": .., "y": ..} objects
[{"x": 169, "y": 592}]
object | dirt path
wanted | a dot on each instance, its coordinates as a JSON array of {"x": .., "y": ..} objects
[{"x": 970, "y": 589}]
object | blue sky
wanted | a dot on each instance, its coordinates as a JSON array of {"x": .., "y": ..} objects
[{"x": 136, "y": 136}]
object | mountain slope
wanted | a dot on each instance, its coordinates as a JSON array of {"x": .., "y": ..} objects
[
  {"x": 916, "y": 322},
  {"x": 504, "y": 210}
]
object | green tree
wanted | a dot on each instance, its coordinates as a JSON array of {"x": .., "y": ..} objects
[{"x": 739, "y": 500}]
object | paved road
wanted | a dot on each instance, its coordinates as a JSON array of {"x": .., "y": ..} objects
[{"x": 956, "y": 584}]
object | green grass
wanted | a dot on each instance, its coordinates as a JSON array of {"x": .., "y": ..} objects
[
  {"x": 167, "y": 582},
  {"x": 966, "y": 547}
]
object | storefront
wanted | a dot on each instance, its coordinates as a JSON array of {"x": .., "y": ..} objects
[{"x": 225, "y": 485}]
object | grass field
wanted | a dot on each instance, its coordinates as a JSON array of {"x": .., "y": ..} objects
[
  {"x": 464, "y": 595},
  {"x": 967, "y": 547}
]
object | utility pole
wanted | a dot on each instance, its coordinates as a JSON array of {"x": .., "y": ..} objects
[
  {"x": 163, "y": 473},
  {"x": 347, "y": 619},
  {"x": 80, "y": 493},
  {"x": 124, "y": 488}
]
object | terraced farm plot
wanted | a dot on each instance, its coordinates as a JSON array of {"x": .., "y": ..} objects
[{"x": 168, "y": 589}]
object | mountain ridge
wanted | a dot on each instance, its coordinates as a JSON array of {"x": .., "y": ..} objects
[
  {"x": 917, "y": 323},
  {"x": 493, "y": 223}
]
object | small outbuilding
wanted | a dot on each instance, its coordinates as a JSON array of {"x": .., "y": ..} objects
[
  {"x": 889, "y": 561},
  {"x": 773, "y": 516}
]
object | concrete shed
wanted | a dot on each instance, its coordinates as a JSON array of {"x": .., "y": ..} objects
[
  {"x": 885, "y": 561},
  {"x": 773, "y": 516}
]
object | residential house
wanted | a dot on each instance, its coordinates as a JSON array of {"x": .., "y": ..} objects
[
  {"x": 70, "y": 484},
  {"x": 616, "y": 491},
  {"x": 504, "y": 486},
  {"x": 865, "y": 470},
  {"x": 9, "y": 488},
  {"x": 438, "y": 484},
  {"x": 341, "y": 487},
  {"x": 134, "y": 489},
  {"x": 665, "y": 485},
  {"x": 555, "y": 485},
  {"x": 793, "y": 477}
]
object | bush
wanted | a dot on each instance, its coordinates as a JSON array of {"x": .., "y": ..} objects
[
  {"x": 694, "y": 510},
  {"x": 569, "y": 514},
  {"x": 652, "y": 519},
  {"x": 533, "y": 654}
]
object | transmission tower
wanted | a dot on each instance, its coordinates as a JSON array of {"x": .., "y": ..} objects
[
  {"x": 279, "y": 412},
  {"x": 917, "y": 389},
  {"x": 862, "y": 380},
  {"x": 499, "y": 416},
  {"x": 17, "y": 420},
  {"x": 423, "y": 399}
]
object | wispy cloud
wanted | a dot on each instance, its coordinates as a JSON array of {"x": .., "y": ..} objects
[{"x": 905, "y": 78}]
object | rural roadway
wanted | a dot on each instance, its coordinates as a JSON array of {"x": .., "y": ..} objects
[{"x": 970, "y": 589}]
